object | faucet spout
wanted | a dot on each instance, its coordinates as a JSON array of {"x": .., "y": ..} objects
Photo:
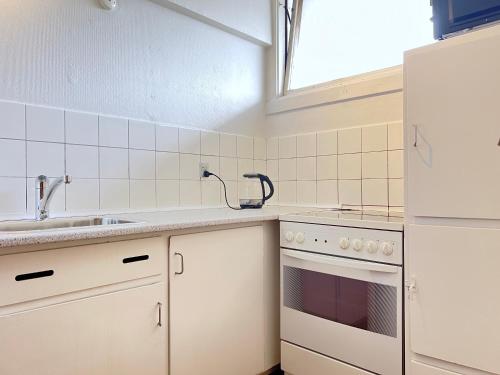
[{"x": 44, "y": 191}]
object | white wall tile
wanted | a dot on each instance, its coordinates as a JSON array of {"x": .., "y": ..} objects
[
  {"x": 210, "y": 193},
  {"x": 167, "y": 193},
  {"x": 210, "y": 143},
  {"x": 82, "y": 195},
  {"x": 306, "y": 169},
  {"x": 395, "y": 136},
  {"x": 244, "y": 147},
  {"x": 375, "y": 192},
  {"x": 12, "y": 158},
  {"x": 141, "y": 135},
  {"x": 306, "y": 145},
  {"x": 189, "y": 167},
  {"x": 306, "y": 192},
  {"x": 288, "y": 169},
  {"x": 142, "y": 164},
  {"x": 259, "y": 148},
  {"x": 229, "y": 169},
  {"x": 396, "y": 164},
  {"x": 288, "y": 147},
  {"x": 114, "y": 194},
  {"x": 244, "y": 166},
  {"x": 227, "y": 145},
  {"x": 12, "y": 120},
  {"x": 167, "y": 165},
  {"x": 272, "y": 148},
  {"x": 45, "y": 158},
  {"x": 396, "y": 192},
  {"x": 327, "y": 193},
  {"x": 213, "y": 164},
  {"x": 190, "y": 193},
  {"x": 44, "y": 124},
  {"x": 82, "y": 161},
  {"x": 82, "y": 128},
  {"x": 259, "y": 166},
  {"x": 142, "y": 194},
  {"x": 327, "y": 143},
  {"x": 349, "y": 140},
  {"x": 167, "y": 138},
  {"x": 113, "y": 162},
  {"x": 113, "y": 131},
  {"x": 374, "y": 164},
  {"x": 13, "y": 196},
  {"x": 327, "y": 167},
  {"x": 57, "y": 204},
  {"x": 350, "y": 192},
  {"x": 189, "y": 141},
  {"x": 349, "y": 166},
  {"x": 272, "y": 169},
  {"x": 288, "y": 192},
  {"x": 374, "y": 138}
]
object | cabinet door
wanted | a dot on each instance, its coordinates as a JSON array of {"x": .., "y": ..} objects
[
  {"x": 454, "y": 310},
  {"x": 216, "y": 303},
  {"x": 115, "y": 333},
  {"x": 452, "y": 127}
]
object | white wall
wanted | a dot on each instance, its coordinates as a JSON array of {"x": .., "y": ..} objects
[
  {"x": 252, "y": 19},
  {"x": 143, "y": 61}
]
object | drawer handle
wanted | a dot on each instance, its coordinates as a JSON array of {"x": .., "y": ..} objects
[
  {"x": 159, "y": 314},
  {"x": 182, "y": 264},
  {"x": 138, "y": 258},
  {"x": 34, "y": 275}
]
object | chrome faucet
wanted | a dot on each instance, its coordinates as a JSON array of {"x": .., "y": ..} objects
[{"x": 44, "y": 191}]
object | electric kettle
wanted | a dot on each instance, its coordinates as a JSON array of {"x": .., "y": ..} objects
[{"x": 253, "y": 202}]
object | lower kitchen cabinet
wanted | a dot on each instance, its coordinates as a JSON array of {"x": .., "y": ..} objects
[
  {"x": 86, "y": 310},
  {"x": 115, "y": 333},
  {"x": 217, "y": 308}
]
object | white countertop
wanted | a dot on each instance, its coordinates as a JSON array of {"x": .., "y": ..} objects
[{"x": 147, "y": 222}]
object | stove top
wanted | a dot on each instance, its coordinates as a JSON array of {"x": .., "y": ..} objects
[{"x": 373, "y": 219}]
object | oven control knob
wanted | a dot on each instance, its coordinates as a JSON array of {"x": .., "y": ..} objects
[
  {"x": 344, "y": 243},
  {"x": 387, "y": 248},
  {"x": 299, "y": 237},
  {"x": 372, "y": 247},
  {"x": 289, "y": 236},
  {"x": 357, "y": 245}
]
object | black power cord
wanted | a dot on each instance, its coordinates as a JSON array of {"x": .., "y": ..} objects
[{"x": 208, "y": 174}]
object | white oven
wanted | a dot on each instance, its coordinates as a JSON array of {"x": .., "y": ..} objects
[{"x": 341, "y": 307}]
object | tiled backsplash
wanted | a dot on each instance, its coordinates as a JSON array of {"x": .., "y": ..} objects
[
  {"x": 116, "y": 163},
  {"x": 119, "y": 164},
  {"x": 356, "y": 166}
]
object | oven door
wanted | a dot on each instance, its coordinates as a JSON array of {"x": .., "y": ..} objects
[{"x": 346, "y": 309}]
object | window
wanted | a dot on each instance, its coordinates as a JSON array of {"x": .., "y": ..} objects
[{"x": 333, "y": 39}]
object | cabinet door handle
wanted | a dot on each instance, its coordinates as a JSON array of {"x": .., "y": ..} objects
[
  {"x": 182, "y": 264},
  {"x": 159, "y": 314},
  {"x": 415, "y": 135}
]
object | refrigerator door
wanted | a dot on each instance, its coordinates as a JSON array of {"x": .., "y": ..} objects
[{"x": 453, "y": 285}]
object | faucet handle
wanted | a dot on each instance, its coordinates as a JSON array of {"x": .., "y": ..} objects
[{"x": 68, "y": 179}]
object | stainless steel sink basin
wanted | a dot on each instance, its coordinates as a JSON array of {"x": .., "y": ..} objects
[{"x": 30, "y": 225}]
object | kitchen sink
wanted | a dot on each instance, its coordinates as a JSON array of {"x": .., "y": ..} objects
[{"x": 30, "y": 225}]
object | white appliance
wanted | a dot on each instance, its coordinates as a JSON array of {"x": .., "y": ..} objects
[
  {"x": 341, "y": 293},
  {"x": 452, "y": 150}
]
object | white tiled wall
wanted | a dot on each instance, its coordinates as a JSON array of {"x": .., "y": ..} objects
[
  {"x": 357, "y": 166},
  {"x": 117, "y": 163}
]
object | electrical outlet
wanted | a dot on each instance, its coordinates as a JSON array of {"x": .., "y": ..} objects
[{"x": 203, "y": 168}]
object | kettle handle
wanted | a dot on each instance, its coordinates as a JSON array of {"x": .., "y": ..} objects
[{"x": 267, "y": 180}]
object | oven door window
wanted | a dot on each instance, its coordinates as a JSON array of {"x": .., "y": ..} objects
[{"x": 356, "y": 303}]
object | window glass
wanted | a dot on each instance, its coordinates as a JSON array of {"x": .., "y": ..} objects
[{"x": 337, "y": 39}]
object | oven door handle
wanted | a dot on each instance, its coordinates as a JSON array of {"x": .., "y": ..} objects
[{"x": 346, "y": 263}]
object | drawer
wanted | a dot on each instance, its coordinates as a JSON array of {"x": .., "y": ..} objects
[
  {"x": 299, "y": 361},
  {"x": 31, "y": 276}
]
